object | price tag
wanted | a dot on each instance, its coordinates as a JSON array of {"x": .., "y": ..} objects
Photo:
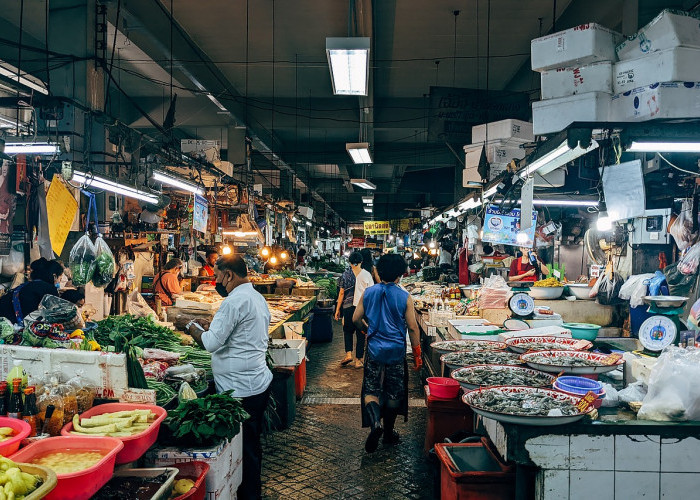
[
  {"x": 138, "y": 396},
  {"x": 580, "y": 345},
  {"x": 612, "y": 358},
  {"x": 556, "y": 273},
  {"x": 586, "y": 402}
]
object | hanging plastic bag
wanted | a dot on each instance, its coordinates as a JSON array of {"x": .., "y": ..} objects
[
  {"x": 82, "y": 261},
  {"x": 688, "y": 264},
  {"x": 609, "y": 288},
  {"x": 635, "y": 288},
  {"x": 57, "y": 310},
  {"x": 14, "y": 263},
  {"x": 682, "y": 227},
  {"x": 656, "y": 282},
  {"x": 104, "y": 264},
  {"x": 678, "y": 283}
]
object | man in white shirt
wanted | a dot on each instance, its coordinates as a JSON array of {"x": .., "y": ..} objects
[{"x": 237, "y": 338}]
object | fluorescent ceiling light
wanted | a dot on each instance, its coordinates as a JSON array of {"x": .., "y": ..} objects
[
  {"x": 359, "y": 152},
  {"x": 369, "y": 203},
  {"x": 94, "y": 181},
  {"x": 665, "y": 147},
  {"x": 468, "y": 204},
  {"x": 216, "y": 101},
  {"x": 491, "y": 191},
  {"x": 367, "y": 199},
  {"x": 12, "y": 148},
  {"x": 239, "y": 234},
  {"x": 9, "y": 71},
  {"x": 368, "y": 210},
  {"x": 555, "y": 159},
  {"x": 363, "y": 183},
  {"x": 565, "y": 203},
  {"x": 178, "y": 183},
  {"x": 348, "y": 60}
]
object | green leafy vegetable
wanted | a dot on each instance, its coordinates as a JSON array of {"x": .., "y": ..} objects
[{"x": 139, "y": 332}]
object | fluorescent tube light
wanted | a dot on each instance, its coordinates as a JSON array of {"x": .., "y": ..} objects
[
  {"x": 368, "y": 210},
  {"x": 367, "y": 199},
  {"x": 239, "y": 234},
  {"x": 178, "y": 183},
  {"x": 44, "y": 148},
  {"x": 468, "y": 204},
  {"x": 565, "y": 203},
  {"x": 216, "y": 101},
  {"x": 556, "y": 158},
  {"x": 9, "y": 71},
  {"x": 491, "y": 191},
  {"x": 113, "y": 187},
  {"x": 359, "y": 152},
  {"x": 370, "y": 204},
  {"x": 665, "y": 147},
  {"x": 348, "y": 60},
  {"x": 363, "y": 183}
]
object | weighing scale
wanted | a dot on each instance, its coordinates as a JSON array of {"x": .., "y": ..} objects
[
  {"x": 521, "y": 304},
  {"x": 662, "y": 329}
]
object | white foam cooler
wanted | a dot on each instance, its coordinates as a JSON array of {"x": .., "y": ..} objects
[
  {"x": 578, "y": 46},
  {"x": 562, "y": 82},
  {"x": 496, "y": 152},
  {"x": 661, "y": 100},
  {"x": 510, "y": 130},
  {"x": 554, "y": 115},
  {"x": 671, "y": 28},
  {"x": 681, "y": 64}
]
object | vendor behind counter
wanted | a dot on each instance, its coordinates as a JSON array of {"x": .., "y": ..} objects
[
  {"x": 527, "y": 266},
  {"x": 24, "y": 299}
]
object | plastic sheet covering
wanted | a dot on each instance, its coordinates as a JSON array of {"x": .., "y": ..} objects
[
  {"x": 635, "y": 288},
  {"x": 674, "y": 392}
]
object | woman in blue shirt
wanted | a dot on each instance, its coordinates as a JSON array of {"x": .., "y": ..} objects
[{"x": 386, "y": 311}]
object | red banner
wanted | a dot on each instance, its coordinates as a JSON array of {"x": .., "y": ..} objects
[{"x": 356, "y": 243}]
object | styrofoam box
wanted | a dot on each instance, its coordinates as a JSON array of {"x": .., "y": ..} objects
[
  {"x": 671, "y": 28},
  {"x": 225, "y": 464},
  {"x": 498, "y": 151},
  {"x": 562, "y": 82},
  {"x": 554, "y": 115},
  {"x": 107, "y": 370},
  {"x": 681, "y": 64},
  {"x": 291, "y": 356},
  {"x": 661, "y": 100},
  {"x": 578, "y": 46},
  {"x": 509, "y": 130}
]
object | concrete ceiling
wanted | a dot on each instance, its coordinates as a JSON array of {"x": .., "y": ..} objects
[{"x": 225, "y": 48}]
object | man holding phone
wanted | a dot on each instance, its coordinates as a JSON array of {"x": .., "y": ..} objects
[{"x": 527, "y": 267}]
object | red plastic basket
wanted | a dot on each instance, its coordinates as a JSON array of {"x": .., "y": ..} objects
[
  {"x": 21, "y": 430},
  {"x": 197, "y": 472},
  {"x": 443, "y": 387},
  {"x": 134, "y": 446}
]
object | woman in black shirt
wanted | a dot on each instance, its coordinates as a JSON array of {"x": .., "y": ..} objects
[{"x": 16, "y": 304}]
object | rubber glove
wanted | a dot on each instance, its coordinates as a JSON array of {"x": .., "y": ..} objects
[{"x": 417, "y": 358}]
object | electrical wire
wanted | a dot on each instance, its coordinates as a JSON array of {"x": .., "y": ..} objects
[{"x": 697, "y": 174}]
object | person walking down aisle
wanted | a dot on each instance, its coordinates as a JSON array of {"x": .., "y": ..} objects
[
  {"x": 237, "y": 339},
  {"x": 346, "y": 304},
  {"x": 386, "y": 311}
]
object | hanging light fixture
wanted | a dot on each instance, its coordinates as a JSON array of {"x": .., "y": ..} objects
[
  {"x": 348, "y": 61},
  {"x": 42, "y": 148},
  {"x": 94, "y": 181},
  {"x": 170, "y": 180},
  {"x": 359, "y": 152},
  {"x": 363, "y": 183}
]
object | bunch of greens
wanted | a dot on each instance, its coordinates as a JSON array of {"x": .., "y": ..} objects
[
  {"x": 82, "y": 261},
  {"x": 138, "y": 332},
  {"x": 206, "y": 421},
  {"x": 330, "y": 285},
  {"x": 194, "y": 355},
  {"x": 104, "y": 266}
]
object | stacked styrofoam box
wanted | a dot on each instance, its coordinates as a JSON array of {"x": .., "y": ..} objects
[
  {"x": 658, "y": 75},
  {"x": 225, "y": 464},
  {"x": 502, "y": 140},
  {"x": 576, "y": 67}
]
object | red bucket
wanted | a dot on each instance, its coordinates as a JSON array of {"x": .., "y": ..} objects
[{"x": 443, "y": 387}]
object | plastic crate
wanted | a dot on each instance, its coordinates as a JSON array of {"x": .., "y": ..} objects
[
  {"x": 291, "y": 356},
  {"x": 197, "y": 472}
]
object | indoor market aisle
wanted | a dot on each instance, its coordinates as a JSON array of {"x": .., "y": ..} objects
[{"x": 322, "y": 455}]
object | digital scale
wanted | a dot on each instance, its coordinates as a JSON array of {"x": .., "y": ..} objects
[{"x": 661, "y": 330}]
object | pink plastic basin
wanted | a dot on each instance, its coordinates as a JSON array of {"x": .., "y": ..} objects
[
  {"x": 79, "y": 485},
  {"x": 134, "y": 446},
  {"x": 21, "y": 430},
  {"x": 443, "y": 387}
]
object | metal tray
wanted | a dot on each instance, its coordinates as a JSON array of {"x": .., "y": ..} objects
[{"x": 665, "y": 300}]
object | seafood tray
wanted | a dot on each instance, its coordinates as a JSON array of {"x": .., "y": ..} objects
[
  {"x": 445, "y": 346},
  {"x": 577, "y": 362},
  {"x": 524, "y": 405},
  {"x": 525, "y": 344},
  {"x": 473, "y": 377},
  {"x": 458, "y": 359}
]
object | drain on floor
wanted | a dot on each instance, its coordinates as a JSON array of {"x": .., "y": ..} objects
[{"x": 317, "y": 400}]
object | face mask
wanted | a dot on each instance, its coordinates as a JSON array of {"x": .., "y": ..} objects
[
  {"x": 221, "y": 289},
  {"x": 58, "y": 286}
]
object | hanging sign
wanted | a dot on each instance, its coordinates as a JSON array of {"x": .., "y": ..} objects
[
  {"x": 376, "y": 227},
  {"x": 502, "y": 227},
  {"x": 200, "y": 214},
  {"x": 61, "y": 209},
  {"x": 356, "y": 243}
]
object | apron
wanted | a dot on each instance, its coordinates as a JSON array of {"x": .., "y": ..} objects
[
  {"x": 19, "y": 317},
  {"x": 403, "y": 406}
]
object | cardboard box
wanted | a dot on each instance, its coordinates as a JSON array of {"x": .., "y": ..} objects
[
  {"x": 513, "y": 131},
  {"x": 497, "y": 151},
  {"x": 579, "y": 46},
  {"x": 670, "y": 29},
  {"x": 291, "y": 356},
  {"x": 670, "y": 100},
  {"x": 106, "y": 370},
  {"x": 672, "y": 65},
  {"x": 562, "y": 82},
  {"x": 554, "y": 115},
  {"x": 225, "y": 464}
]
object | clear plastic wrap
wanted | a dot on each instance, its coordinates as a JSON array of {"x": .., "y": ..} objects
[
  {"x": 674, "y": 394},
  {"x": 170, "y": 358},
  {"x": 635, "y": 288},
  {"x": 81, "y": 261},
  {"x": 85, "y": 391},
  {"x": 186, "y": 393},
  {"x": 682, "y": 227},
  {"x": 57, "y": 310},
  {"x": 51, "y": 398},
  {"x": 688, "y": 264},
  {"x": 608, "y": 288},
  {"x": 495, "y": 293},
  {"x": 105, "y": 267}
]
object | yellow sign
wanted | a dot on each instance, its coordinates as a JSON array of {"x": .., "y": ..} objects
[
  {"x": 61, "y": 208},
  {"x": 376, "y": 227}
]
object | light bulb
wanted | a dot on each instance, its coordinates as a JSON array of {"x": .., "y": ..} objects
[
  {"x": 273, "y": 260},
  {"x": 604, "y": 224},
  {"x": 284, "y": 255},
  {"x": 431, "y": 244},
  {"x": 521, "y": 237},
  {"x": 226, "y": 250},
  {"x": 265, "y": 252}
]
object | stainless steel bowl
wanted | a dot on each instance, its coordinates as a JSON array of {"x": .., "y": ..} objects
[
  {"x": 546, "y": 293},
  {"x": 580, "y": 291},
  {"x": 665, "y": 300}
]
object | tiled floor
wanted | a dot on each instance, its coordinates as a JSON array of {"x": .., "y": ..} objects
[{"x": 322, "y": 454}]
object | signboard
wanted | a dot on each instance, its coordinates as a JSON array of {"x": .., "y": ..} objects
[
  {"x": 376, "y": 227},
  {"x": 61, "y": 209},
  {"x": 356, "y": 243},
  {"x": 454, "y": 111},
  {"x": 503, "y": 227},
  {"x": 200, "y": 214}
]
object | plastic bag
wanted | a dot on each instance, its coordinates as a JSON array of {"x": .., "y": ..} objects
[
  {"x": 678, "y": 283},
  {"x": 656, "y": 282},
  {"x": 186, "y": 393},
  {"x": 171, "y": 358},
  {"x": 688, "y": 264},
  {"x": 674, "y": 394},
  {"x": 635, "y": 288},
  {"x": 682, "y": 228},
  {"x": 633, "y": 393},
  {"x": 57, "y": 310},
  {"x": 137, "y": 306},
  {"x": 609, "y": 288},
  {"x": 495, "y": 293},
  {"x": 8, "y": 335},
  {"x": 82, "y": 261},
  {"x": 14, "y": 263},
  {"x": 85, "y": 391},
  {"x": 155, "y": 369},
  {"x": 611, "y": 398},
  {"x": 104, "y": 264}
]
